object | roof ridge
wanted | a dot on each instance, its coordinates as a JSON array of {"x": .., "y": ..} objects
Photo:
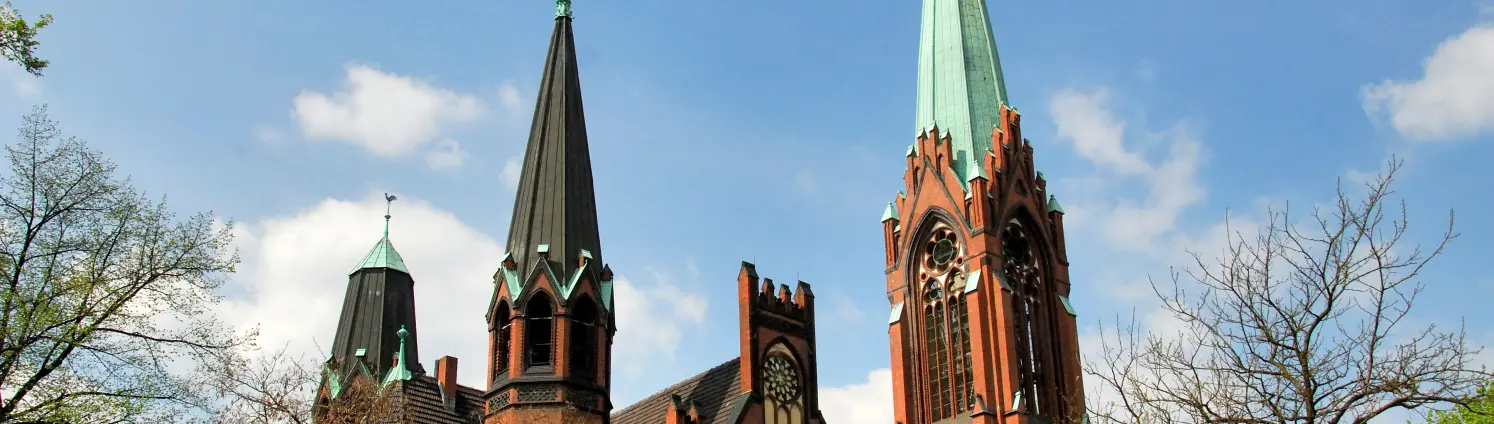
[{"x": 667, "y": 390}]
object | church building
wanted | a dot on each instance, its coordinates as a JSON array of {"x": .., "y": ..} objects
[{"x": 981, "y": 329}]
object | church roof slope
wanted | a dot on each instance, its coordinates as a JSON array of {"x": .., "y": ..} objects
[
  {"x": 424, "y": 405},
  {"x": 716, "y": 393}
]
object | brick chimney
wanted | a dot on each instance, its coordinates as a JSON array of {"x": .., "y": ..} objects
[
  {"x": 681, "y": 411},
  {"x": 446, "y": 372}
]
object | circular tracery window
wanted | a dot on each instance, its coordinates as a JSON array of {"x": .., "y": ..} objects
[
  {"x": 1019, "y": 260},
  {"x": 940, "y": 260},
  {"x": 782, "y": 379}
]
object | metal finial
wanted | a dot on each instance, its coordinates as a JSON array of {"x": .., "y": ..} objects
[
  {"x": 388, "y": 205},
  {"x": 562, "y": 8}
]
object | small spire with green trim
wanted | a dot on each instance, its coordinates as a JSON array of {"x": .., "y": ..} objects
[
  {"x": 400, "y": 372},
  {"x": 1053, "y": 204},
  {"x": 890, "y": 214},
  {"x": 383, "y": 254}
]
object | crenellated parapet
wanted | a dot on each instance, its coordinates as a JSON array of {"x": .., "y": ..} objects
[{"x": 777, "y": 344}]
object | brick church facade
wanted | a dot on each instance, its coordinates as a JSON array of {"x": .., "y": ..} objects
[{"x": 981, "y": 329}]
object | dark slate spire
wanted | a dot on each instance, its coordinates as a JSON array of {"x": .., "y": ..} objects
[
  {"x": 555, "y": 211},
  {"x": 380, "y": 301}
]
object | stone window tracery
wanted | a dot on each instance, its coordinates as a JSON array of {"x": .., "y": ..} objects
[
  {"x": 783, "y": 387},
  {"x": 1022, "y": 265},
  {"x": 948, "y": 381}
]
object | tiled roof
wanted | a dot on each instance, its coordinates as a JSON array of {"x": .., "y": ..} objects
[
  {"x": 717, "y": 395},
  {"x": 425, "y": 406}
]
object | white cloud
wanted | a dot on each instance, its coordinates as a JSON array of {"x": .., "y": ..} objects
[
  {"x": 300, "y": 263},
  {"x": 446, "y": 155},
  {"x": 1453, "y": 99},
  {"x": 390, "y": 115},
  {"x": 511, "y": 170},
  {"x": 1085, "y": 120},
  {"x": 26, "y": 87},
  {"x": 509, "y": 98},
  {"x": 846, "y": 310},
  {"x": 269, "y": 135},
  {"x": 651, "y": 321},
  {"x": 868, "y": 402},
  {"x": 1097, "y": 135}
]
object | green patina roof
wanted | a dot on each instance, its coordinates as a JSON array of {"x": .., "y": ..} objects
[
  {"x": 400, "y": 372},
  {"x": 890, "y": 212},
  {"x": 960, "y": 86},
  {"x": 1053, "y": 205},
  {"x": 383, "y": 254}
]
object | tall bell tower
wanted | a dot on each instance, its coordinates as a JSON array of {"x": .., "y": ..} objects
[
  {"x": 550, "y": 321},
  {"x": 981, "y": 329}
]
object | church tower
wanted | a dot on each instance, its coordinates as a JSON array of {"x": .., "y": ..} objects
[
  {"x": 380, "y": 301},
  {"x": 550, "y": 321},
  {"x": 981, "y": 328}
]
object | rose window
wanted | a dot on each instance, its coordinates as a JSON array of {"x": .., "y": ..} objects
[{"x": 782, "y": 380}]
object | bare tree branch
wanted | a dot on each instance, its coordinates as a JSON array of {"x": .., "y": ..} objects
[{"x": 1294, "y": 326}]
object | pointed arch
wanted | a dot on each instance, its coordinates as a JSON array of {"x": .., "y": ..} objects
[
  {"x": 502, "y": 338},
  {"x": 943, "y": 327},
  {"x": 584, "y": 321},
  {"x": 539, "y": 329},
  {"x": 784, "y": 383},
  {"x": 1027, "y": 264}
]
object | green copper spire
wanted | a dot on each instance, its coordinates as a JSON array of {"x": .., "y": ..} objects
[
  {"x": 563, "y": 8},
  {"x": 400, "y": 371},
  {"x": 960, "y": 88},
  {"x": 383, "y": 254}
]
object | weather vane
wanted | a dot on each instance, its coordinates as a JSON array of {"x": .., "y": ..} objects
[
  {"x": 562, "y": 8},
  {"x": 388, "y": 203}
]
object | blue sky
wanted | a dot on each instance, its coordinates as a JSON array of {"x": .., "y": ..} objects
[{"x": 770, "y": 132}]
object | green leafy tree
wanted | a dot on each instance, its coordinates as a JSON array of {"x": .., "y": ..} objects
[
  {"x": 18, "y": 38},
  {"x": 106, "y": 298},
  {"x": 1479, "y": 410}
]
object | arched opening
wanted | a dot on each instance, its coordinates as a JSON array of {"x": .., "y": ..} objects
[
  {"x": 583, "y": 347},
  {"x": 502, "y": 324},
  {"x": 1023, "y": 265},
  {"x": 539, "y": 330},
  {"x": 946, "y": 362}
]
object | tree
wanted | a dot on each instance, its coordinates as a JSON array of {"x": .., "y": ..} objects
[
  {"x": 106, "y": 298},
  {"x": 18, "y": 38},
  {"x": 1294, "y": 326},
  {"x": 1479, "y": 410},
  {"x": 280, "y": 388}
]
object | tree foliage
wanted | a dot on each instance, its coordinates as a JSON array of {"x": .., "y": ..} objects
[
  {"x": 18, "y": 38},
  {"x": 1478, "y": 410},
  {"x": 106, "y": 298},
  {"x": 1298, "y": 324}
]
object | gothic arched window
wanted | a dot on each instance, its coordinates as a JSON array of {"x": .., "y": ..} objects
[
  {"x": 1023, "y": 266},
  {"x": 502, "y": 323},
  {"x": 948, "y": 381},
  {"x": 783, "y": 400},
  {"x": 583, "y": 349},
  {"x": 539, "y": 329}
]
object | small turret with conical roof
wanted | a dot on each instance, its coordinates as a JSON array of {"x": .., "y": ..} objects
[{"x": 378, "y": 313}]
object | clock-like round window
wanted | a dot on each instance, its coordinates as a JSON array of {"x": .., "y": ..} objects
[
  {"x": 942, "y": 247},
  {"x": 782, "y": 382}
]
